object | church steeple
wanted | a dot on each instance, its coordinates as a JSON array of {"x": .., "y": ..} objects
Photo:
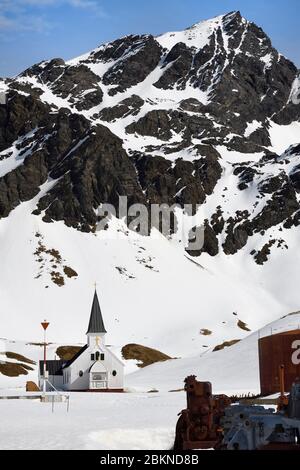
[{"x": 96, "y": 324}]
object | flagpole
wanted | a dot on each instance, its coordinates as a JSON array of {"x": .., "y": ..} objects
[{"x": 45, "y": 325}]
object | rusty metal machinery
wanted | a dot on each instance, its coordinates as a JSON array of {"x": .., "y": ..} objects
[
  {"x": 213, "y": 422},
  {"x": 198, "y": 426}
]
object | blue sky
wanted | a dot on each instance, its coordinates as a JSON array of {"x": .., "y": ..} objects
[{"x": 33, "y": 30}]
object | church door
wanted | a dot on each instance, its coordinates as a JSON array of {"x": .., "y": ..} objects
[{"x": 98, "y": 377}]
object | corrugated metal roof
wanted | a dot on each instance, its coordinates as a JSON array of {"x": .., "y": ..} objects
[
  {"x": 96, "y": 324},
  {"x": 53, "y": 367}
]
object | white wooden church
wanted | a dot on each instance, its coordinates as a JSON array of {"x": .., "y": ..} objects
[{"x": 94, "y": 368}]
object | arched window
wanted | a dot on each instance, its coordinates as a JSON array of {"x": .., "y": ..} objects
[
  {"x": 114, "y": 373},
  {"x": 97, "y": 356},
  {"x": 80, "y": 373}
]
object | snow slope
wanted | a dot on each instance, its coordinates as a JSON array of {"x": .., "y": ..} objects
[
  {"x": 182, "y": 297},
  {"x": 233, "y": 370},
  {"x": 151, "y": 291},
  {"x": 135, "y": 420}
]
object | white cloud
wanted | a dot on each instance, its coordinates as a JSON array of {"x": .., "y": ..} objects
[
  {"x": 92, "y": 5},
  {"x": 31, "y": 15}
]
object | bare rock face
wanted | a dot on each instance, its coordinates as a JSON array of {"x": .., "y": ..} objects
[
  {"x": 42, "y": 155},
  {"x": 153, "y": 119},
  {"x": 128, "y": 107},
  {"x": 177, "y": 65},
  {"x": 161, "y": 123},
  {"x": 98, "y": 170},
  {"x": 138, "y": 57},
  {"x": 211, "y": 243},
  {"x": 79, "y": 84},
  {"x": 180, "y": 183},
  {"x": 21, "y": 115}
]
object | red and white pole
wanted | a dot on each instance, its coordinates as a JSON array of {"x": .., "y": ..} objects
[{"x": 45, "y": 325}]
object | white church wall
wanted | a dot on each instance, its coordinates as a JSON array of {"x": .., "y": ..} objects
[
  {"x": 77, "y": 382},
  {"x": 116, "y": 381},
  {"x": 113, "y": 364},
  {"x": 83, "y": 364}
]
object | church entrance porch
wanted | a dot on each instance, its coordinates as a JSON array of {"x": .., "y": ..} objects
[
  {"x": 98, "y": 376},
  {"x": 98, "y": 380}
]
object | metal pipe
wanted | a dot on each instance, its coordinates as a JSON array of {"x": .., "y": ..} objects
[
  {"x": 45, "y": 325},
  {"x": 45, "y": 354},
  {"x": 281, "y": 380}
]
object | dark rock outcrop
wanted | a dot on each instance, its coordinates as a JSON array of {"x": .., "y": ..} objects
[{"x": 137, "y": 57}]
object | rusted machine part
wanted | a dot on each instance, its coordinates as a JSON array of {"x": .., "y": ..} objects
[
  {"x": 283, "y": 399},
  {"x": 293, "y": 409},
  {"x": 248, "y": 427},
  {"x": 198, "y": 426}
]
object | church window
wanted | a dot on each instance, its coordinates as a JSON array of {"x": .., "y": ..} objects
[
  {"x": 92, "y": 357},
  {"x": 102, "y": 356},
  {"x": 80, "y": 373},
  {"x": 114, "y": 373},
  {"x": 97, "y": 355}
]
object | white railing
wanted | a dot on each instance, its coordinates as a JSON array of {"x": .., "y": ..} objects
[{"x": 95, "y": 384}]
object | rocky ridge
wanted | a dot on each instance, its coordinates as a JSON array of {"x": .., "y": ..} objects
[{"x": 168, "y": 119}]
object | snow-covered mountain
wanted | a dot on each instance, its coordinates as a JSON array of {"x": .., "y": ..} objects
[{"x": 208, "y": 116}]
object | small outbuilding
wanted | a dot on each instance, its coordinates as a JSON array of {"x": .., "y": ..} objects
[{"x": 274, "y": 351}]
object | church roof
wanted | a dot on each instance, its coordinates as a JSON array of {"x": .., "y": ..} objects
[
  {"x": 68, "y": 363},
  {"x": 96, "y": 324}
]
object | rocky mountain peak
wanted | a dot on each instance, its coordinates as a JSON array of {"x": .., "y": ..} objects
[{"x": 180, "y": 118}]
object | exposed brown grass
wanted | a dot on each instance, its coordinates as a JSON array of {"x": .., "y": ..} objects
[
  {"x": 66, "y": 353},
  {"x": 40, "y": 249},
  {"x": 32, "y": 387},
  {"x": 143, "y": 354},
  {"x": 205, "y": 332},
  {"x": 57, "y": 278},
  {"x": 226, "y": 344},
  {"x": 243, "y": 326},
  {"x": 56, "y": 261},
  {"x": 18, "y": 357},
  {"x": 70, "y": 272},
  {"x": 11, "y": 369},
  {"x": 55, "y": 254}
]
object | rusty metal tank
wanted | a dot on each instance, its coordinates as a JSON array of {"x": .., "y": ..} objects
[{"x": 276, "y": 350}]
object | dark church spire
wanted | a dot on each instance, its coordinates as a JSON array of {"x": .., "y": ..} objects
[{"x": 96, "y": 324}]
